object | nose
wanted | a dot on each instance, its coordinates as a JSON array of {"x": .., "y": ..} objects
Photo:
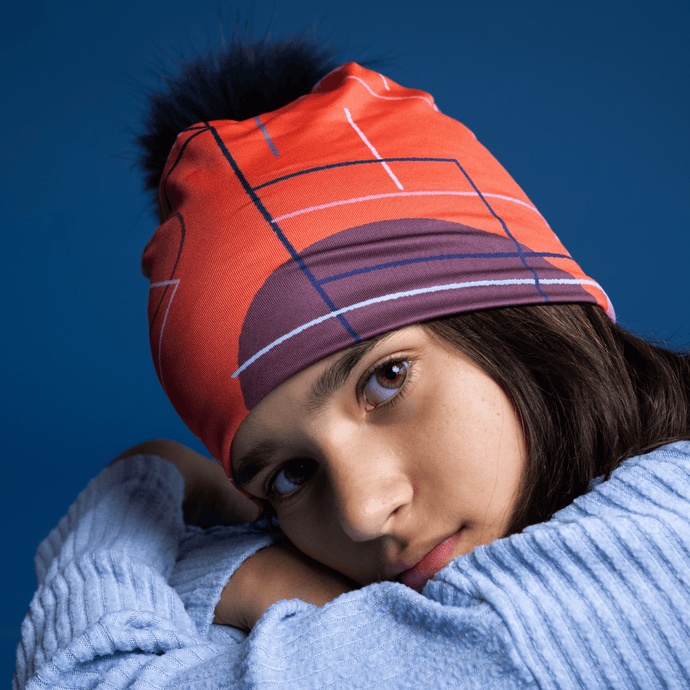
[{"x": 371, "y": 486}]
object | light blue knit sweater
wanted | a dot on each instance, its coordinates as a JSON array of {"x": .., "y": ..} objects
[{"x": 598, "y": 597}]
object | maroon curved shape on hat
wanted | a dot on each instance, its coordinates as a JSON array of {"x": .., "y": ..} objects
[{"x": 374, "y": 262}]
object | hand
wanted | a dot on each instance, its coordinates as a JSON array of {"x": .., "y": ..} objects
[
  {"x": 277, "y": 572},
  {"x": 209, "y": 496}
]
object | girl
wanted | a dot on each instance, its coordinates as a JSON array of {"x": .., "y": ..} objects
[{"x": 479, "y": 480}]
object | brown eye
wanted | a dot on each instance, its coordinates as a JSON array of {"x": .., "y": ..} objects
[
  {"x": 385, "y": 382},
  {"x": 293, "y": 474}
]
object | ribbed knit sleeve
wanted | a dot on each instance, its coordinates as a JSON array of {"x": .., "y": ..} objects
[
  {"x": 104, "y": 614},
  {"x": 206, "y": 561},
  {"x": 101, "y": 574}
]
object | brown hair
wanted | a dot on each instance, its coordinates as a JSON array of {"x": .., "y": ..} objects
[{"x": 590, "y": 393}]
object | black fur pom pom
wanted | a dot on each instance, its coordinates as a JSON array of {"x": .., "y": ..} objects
[{"x": 237, "y": 82}]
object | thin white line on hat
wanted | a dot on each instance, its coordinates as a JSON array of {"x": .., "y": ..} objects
[
  {"x": 371, "y": 197},
  {"x": 385, "y": 83},
  {"x": 389, "y": 98},
  {"x": 163, "y": 283},
  {"x": 372, "y": 149},
  {"x": 412, "y": 293}
]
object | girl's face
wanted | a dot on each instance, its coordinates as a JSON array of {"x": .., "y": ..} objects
[{"x": 376, "y": 455}]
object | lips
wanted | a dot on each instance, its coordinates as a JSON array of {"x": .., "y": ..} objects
[{"x": 437, "y": 558}]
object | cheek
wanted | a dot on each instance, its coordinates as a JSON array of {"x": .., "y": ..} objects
[
  {"x": 518, "y": 416},
  {"x": 295, "y": 523},
  {"x": 320, "y": 538},
  {"x": 300, "y": 530},
  {"x": 311, "y": 524},
  {"x": 474, "y": 433}
]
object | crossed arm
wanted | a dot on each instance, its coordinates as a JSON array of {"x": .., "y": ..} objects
[{"x": 274, "y": 573}]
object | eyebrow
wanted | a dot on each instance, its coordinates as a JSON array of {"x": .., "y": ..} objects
[
  {"x": 338, "y": 373},
  {"x": 255, "y": 460}
]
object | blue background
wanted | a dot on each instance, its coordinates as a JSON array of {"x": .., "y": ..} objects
[{"x": 586, "y": 104}]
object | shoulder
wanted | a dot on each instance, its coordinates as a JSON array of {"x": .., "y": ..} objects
[
  {"x": 664, "y": 457},
  {"x": 672, "y": 454},
  {"x": 656, "y": 483}
]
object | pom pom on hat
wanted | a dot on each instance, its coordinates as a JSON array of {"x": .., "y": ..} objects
[{"x": 236, "y": 82}]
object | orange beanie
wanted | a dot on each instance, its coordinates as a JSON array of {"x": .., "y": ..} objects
[{"x": 354, "y": 210}]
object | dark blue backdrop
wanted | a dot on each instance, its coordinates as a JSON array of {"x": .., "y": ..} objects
[{"x": 586, "y": 104}]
